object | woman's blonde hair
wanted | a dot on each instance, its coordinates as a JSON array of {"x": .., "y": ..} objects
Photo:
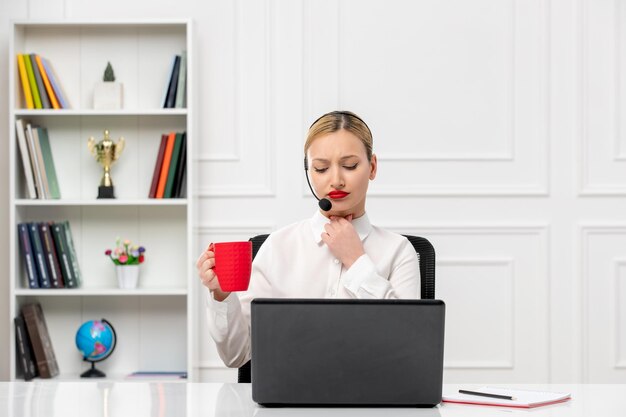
[{"x": 337, "y": 120}]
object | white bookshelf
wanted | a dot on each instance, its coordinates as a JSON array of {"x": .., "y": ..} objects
[{"x": 153, "y": 322}]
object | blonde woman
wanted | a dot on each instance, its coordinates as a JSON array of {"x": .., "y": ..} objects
[{"x": 337, "y": 253}]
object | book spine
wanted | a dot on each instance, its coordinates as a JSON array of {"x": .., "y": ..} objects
[
  {"x": 167, "y": 158},
  {"x": 28, "y": 169},
  {"x": 72, "y": 251},
  {"x": 60, "y": 242},
  {"x": 33, "y": 161},
  {"x": 27, "y": 254},
  {"x": 28, "y": 95},
  {"x": 51, "y": 256},
  {"x": 180, "y": 167},
  {"x": 40, "y": 162},
  {"x": 31, "y": 80},
  {"x": 157, "y": 167},
  {"x": 46, "y": 83},
  {"x": 40, "y": 339},
  {"x": 40, "y": 258},
  {"x": 171, "y": 92},
  {"x": 169, "y": 185},
  {"x": 56, "y": 86},
  {"x": 23, "y": 349},
  {"x": 45, "y": 102},
  {"x": 48, "y": 162},
  {"x": 182, "y": 76}
]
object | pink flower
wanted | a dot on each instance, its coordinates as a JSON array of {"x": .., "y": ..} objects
[
  {"x": 123, "y": 258},
  {"x": 108, "y": 252}
]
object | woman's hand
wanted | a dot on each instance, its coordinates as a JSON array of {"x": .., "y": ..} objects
[
  {"x": 205, "y": 265},
  {"x": 343, "y": 240}
]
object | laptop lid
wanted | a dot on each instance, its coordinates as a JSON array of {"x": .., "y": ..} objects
[{"x": 347, "y": 352}]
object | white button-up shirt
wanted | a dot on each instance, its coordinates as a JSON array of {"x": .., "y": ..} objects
[{"x": 294, "y": 262}]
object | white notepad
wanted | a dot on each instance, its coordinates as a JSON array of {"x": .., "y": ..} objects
[{"x": 522, "y": 398}]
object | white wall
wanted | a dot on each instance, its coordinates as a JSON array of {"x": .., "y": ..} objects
[{"x": 498, "y": 129}]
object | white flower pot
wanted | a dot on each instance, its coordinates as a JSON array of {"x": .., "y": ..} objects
[
  {"x": 127, "y": 276},
  {"x": 107, "y": 95}
]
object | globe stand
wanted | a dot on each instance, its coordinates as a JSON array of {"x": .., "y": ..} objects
[{"x": 93, "y": 372}]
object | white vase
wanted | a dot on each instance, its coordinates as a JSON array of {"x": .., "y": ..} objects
[
  {"x": 127, "y": 276},
  {"x": 107, "y": 95}
]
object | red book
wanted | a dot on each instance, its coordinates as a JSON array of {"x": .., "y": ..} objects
[
  {"x": 167, "y": 159},
  {"x": 157, "y": 167}
]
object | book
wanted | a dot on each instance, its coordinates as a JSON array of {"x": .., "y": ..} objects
[
  {"x": 181, "y": 92},
  {"x": 56, "y": 85},
  {"x": 169, "y": 184},
  {"x": 31, "y": 81},
  {"x": 28, "y": 256},
  {"x": 167, "y": 158},
  {"x": 72, "y": 252},
  {"x": 56, "y": 277},
  {"x": 63, "y": 254},
  {"x": 40, "y": 258},
  {"x": 28, "y": 95},
  {"x": 170, "y": 101},
  {"x": 157, "y": 167},
  {"x": 46, "y": 83},
  {"x": 521, "y": 398},
  {"x": 169, "y": 79},
  {"x": 48, "y": 162},
  {"x": 45, "y": 102},
  {"x": 180, "y": 167},
  {"x": 26, "y": 164},
  {"x": 41, "y": 166},
  {"x": 40, "y": 338},
  {"x": 157, "y": 375},
  {"x": 34, "y": 161},
  {"x": 24, "y": 352}
]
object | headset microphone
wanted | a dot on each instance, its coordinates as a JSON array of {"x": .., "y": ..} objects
[{"x": 324, "y": 203}]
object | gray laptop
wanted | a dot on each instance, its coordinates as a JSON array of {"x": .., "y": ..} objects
[{"x": 321, "y": 352}]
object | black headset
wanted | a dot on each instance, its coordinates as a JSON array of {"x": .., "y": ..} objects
[{"x": 325, "y": 203}]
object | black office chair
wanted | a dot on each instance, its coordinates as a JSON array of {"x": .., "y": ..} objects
[{"x": 425, "y": 252}]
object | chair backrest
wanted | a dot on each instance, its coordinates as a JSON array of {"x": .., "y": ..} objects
[{"x": 425, "y": 252}]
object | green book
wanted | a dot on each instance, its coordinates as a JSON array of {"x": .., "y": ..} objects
[
  {"x": 32, "y": 82},
  {"x": 72, "y": 252},
  {"x": 48, "y": 161},
  {"x": 169, "y": 185},
  {"x": 182, "y": 77}
]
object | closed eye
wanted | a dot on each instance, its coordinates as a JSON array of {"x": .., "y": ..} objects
[
  {"x": 351, "y": 167},
  {"x": 320, "y": 170}
]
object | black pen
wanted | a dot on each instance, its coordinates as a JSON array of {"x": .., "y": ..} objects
[{"x": 485, "y": 394}]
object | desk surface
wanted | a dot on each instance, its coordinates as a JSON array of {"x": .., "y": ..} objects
[{"x": 181, "y": 399}]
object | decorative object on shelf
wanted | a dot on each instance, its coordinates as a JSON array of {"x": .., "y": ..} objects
[
  {"x": 108, "y": 94},
  {"x": 106, "y": 153},
  {"x": 126, "y": 258},
  {"x": 96, "y": 340}
]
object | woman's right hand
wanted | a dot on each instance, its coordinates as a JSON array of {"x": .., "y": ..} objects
[{"x": 205, "y": 265}]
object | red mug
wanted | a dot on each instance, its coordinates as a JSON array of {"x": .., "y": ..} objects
[{"x": 233, "y": 264}]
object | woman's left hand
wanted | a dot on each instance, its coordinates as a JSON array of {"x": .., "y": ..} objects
[{"x": 343, "y": 240}]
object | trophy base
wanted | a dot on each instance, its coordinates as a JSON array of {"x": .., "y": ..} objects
[{"x": 106, "y": 191}]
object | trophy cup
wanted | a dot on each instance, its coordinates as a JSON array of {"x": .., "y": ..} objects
[{"x": 106, "y": 153}]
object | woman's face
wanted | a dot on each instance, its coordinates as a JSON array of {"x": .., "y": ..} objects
[{"x": 340, "y": 172}]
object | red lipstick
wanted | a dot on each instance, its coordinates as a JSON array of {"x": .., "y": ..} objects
[{"x": 336, "y": 195}]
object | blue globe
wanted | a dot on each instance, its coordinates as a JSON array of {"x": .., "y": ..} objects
[{"x": 95, "y": 339}]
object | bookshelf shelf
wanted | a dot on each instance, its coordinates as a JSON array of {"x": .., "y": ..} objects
[
  {"x": 154, "y": 322},
  {"x": 100, "y": 292},
  {"x": 165, "y": 202}
]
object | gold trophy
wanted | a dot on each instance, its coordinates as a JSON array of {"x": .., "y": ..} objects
[{"x": 106, "y": 153}]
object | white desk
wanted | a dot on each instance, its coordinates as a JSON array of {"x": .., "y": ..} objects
[{"x": 181, "y": 399}]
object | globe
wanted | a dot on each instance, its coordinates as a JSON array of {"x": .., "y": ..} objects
[{"x": 95, "y": 339}]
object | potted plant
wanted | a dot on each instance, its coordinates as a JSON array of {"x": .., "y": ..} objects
[
  {"x": 107, "y": 94},
  {"x": 127, "y": 259}
]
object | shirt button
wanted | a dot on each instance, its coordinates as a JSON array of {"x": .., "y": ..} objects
[{"x": 336, "y": 261}]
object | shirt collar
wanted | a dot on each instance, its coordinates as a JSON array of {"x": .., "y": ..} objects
[{"x": 362, "y": 226}]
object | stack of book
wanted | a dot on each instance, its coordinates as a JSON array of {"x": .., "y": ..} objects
[
  {"x": 40, "y": 84},
  {"x": 41, "y": 177},
  {"x": 49, "y": 256},
  {"x": 35, "y": 355},
  {"x": 175, "y": 96},
  {"x": 169, "y": 177}
]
